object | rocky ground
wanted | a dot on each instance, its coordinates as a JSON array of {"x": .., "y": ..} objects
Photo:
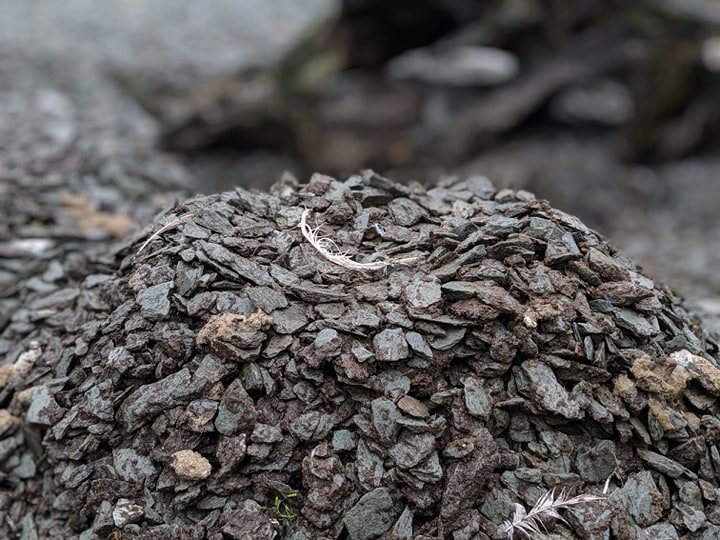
[
  {"x": 129, "y": 392},
  {"x": 413, "y": 368}
]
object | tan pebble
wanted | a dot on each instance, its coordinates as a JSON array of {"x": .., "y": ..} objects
[
  {"x": 24, "y": 396},
  {"x": 223, "y": 326},
  {"x": 28, "y": 359},
  {"x": 190, "y": 465},
  {"x": 7, "y": 372},
  {"x": 7, "y": 421}
]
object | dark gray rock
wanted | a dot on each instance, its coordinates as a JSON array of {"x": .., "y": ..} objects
[
  {"x": 133, "y": 467},
  {"x": 371, "y": 516},
  {"x": 412, "y": 449},
  {"x": 154, "y": 301},
  {"x": 597, "y": 464},
  {"x": 390, "y": 345},
  {"x": 477, "y": 400},
  {"x": 536, "y": 379},
  {"x": 422, "y": 293},
  {"x": 266, "y": 299},
  {"x": 236, "y": 411},
  {"x": 385, "y": 415},
  {"x": 642, "y": 498},
  {"x": 43, "y": 408},
  {"x": 405, "y": 212}
]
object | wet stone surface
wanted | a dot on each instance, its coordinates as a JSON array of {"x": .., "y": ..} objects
[{"x": 230, "y": 382}]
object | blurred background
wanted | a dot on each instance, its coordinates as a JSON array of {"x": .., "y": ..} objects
[{"x": 610, "y": 109}]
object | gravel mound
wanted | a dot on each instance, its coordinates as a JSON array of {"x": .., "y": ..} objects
[{"x": 230, "y": 381}]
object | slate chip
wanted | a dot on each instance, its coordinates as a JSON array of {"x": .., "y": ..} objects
[
  {"x": 154, "y": 301},
  {"x": 371, "y": 516},
  {"x": 390, "y": 345}
]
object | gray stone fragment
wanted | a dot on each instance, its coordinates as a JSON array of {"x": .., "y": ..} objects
[
  {"x": 477, "y": 399},
  {"x": 361, "y": 353},
  {"x": 692, "y": 518},
  {"x": 663, "y": 464},
  {"x": 606, "y": 266},
  {"x": 131, "y": 466},
  {"x": 43, "y": 409},
  {"x": 290, "y": 319},
  {"x": 419, "y": 345},
  {"x": 385, "y": 415},
  {"x": 496, "y": 507},
  {"x": 154, "y": 301},
  {"x": 499, "y": 225},
  {"x": 198, "y": 415},
  {"x": 460, "y": 290},
  {"x": 643, "y": 326},
  {"x": 265, "y": 433},
  {"x": 399, "y": 319},
  {"x": 187, "y": 277},
  {"x": 328, "y": 342},
  {"x": 259, "y": 451},
  {"x": 394, "y": 383},
  {"x": 369, "y": 466},
  {"x": 558, "y": 443},
  {"x": 543, "y": 228},
  {"x": 97, "y": 404},
  {"x": 312, "y": 425},
  {"x": 597, "y": 464},
  {"x": 150, "y": 399},
  {"x": 406, "y": 212},
  {"x": 390, "y": 345},
  {"x": 59, "y": 299},
  {"x": 266, "y": 298},
  {"x": 371, "y": 516},
  {"x": 423, "y": 292},
  {"x": 641, "y": 497},
  {"x": 561, "y": 250},
  {"x": 661, "y": 531},
  {"x": 452, "y": 337},
  {"x": 537, "y": 380},
  {"x": 342, "y": 440},
  {"x": 27, "y": 468},
  {"x": 366, "y": 317},
  {"x": 232, "y": 264},
  {"x": 236, "y": 411},
  {"x": 412, "y": 449},
  {"x": 429, "y": 470},
  {"x": 403, "y": 528}
]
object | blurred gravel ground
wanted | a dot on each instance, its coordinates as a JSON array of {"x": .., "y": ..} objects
[{"x": 167, "y": 39}]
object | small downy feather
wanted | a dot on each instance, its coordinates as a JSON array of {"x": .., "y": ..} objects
[
  {"x": 329, "y": 249},
  {"x": 530, "y": 523},
  {"x": 184, "y": 218}
]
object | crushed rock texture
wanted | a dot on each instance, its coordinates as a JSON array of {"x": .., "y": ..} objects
[{"x": 230, "y": 382}]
